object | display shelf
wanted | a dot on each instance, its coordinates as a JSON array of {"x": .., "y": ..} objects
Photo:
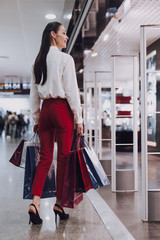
[
  {"x": 97, "y": 95},
  {"x": 123, "y": 99},
  {"x": 124, "y": 123},
  {"x": 124, "y": 116}
]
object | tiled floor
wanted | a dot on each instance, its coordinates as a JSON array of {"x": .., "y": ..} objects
[
  {"x": 84, "y": 222},
  {"x": 91, "y": 219}
]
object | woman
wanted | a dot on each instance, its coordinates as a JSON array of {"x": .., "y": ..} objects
[{"x": 54, "y": 81}]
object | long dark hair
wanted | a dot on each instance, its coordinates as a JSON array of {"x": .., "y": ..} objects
[{"x": 40, "y": 67}]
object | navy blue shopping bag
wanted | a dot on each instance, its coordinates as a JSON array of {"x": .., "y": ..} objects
[
  {"x": 96, "y": 181},
  {"x": 49, "y": 189},
  {"x": 95, "y": 169}
]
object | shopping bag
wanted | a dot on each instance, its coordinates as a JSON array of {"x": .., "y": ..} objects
[
  {"x": 32, "y": 159},
  {"x": 70, "y": 197},
  {"x": 34, "y": 141},
  {"x": 94, "y": 166},
  {"x": 73, "y": 147},
  {"x": 16, "y": 157},
  {"x": 19, "y": 156},
  {"x": 85, "y": 173},
  {"x": 24, "y": 152},
  {"x": 79, "y": 180},
  {"x": 92, "y": 172}
]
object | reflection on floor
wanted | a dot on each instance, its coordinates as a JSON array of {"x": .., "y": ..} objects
[
  {"x": 127, "y": 206},
  {"x": 84, "y": 222},
  {"x": 154, "y": 171}
]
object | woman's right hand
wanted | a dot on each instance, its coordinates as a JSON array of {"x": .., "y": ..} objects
[{"x": 79, "y": 129}]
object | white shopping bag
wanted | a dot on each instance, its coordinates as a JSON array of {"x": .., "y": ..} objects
[
  {"x": 97, "y": 165},
  {"x": 33, "y": 142}
]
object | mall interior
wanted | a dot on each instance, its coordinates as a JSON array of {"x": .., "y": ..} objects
[{"x": 116, "y": 48}]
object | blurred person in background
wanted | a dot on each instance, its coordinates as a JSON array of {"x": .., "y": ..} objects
[
  {"x": 27, "y": 124},
  {"x": 12, "y": 119},
  {"x": 1, "y": 125},
  {"x": 21, "y": 126},
  {"x": 6, "y": 123}
]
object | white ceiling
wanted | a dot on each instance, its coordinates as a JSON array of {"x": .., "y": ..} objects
[
  {"x": 124, "y": 36},
  {"x": 21, "y": 25}
]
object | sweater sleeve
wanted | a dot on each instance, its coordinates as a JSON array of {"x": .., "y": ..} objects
[
  {"x": 71, "y": 89},
  {"x": 34, "y": 100}
]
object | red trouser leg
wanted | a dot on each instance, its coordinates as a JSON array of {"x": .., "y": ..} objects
[
  {"x": 46, "y": 157},
  {"x": 64, "y": 145},
  {"x": 56, "y": 116}
]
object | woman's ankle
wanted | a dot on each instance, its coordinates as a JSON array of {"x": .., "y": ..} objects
[
  {"x": 58, "y": 202},
  {"x": 36, "y": 201}
]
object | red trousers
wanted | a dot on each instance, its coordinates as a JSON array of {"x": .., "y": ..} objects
[{"x": 55, "y": 117}]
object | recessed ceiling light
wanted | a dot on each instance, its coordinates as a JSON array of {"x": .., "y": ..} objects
[
  {"x": 86, "y": 51},
  {"x": 105, "y": 37},
  {"x": 81, "y": 70},
  {"x": 69, "y": 16},
  {"x": 50, "y": 16},
  {"x": 94, "y": 54}
]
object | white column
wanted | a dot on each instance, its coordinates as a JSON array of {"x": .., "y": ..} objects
[
  {"x": 100, "y": 122},
  {"x": 85, "y": 109},
  {"x": 113, "y": 129},
  {"x": 90, "y": 117},
  {"x": 96, "y": 112},
  {"x": 144, "y": 125},
  {"x": 135, "y": 121}
]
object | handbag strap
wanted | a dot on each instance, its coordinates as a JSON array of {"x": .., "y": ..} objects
[
  {"x": 35, "y": 139},
  {"x": 84, "y": 142},
  {"x": 78, "y": 143},
  {"x": 32, "y": 138}
]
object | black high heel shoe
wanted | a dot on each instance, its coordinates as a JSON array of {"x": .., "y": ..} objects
[
  {"x": 34, "y": 217},
  {"x": 62, "y": 215}
]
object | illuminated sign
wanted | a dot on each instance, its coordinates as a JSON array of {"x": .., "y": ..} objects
[{"x": 16, "y": 88}]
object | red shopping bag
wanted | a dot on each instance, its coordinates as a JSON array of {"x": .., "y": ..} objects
[
  {"x": 85, "y": 174},
  {"x": 70, "y": 197},
  {"x": 16, "y": 157},
  {"x": 79, "y": 180}
]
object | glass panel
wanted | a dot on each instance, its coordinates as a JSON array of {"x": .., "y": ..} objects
[
  {"x": 153, "y": 171},
  {"x": 124, "y": 157},
  {"x": 151, "y": 133},
  {"x": 90, "y": 108},
  {"x": 106, "y": 150},
  {"x": 124, "y": 72},
  {"x": 158, "y": 91},
  {"x": 124, "y": 124},
  {"x": 153, "y": 97},
  {"x": 106, "y": 106},
  {"x": 106, "y": 131},
  {"x": 124, "y": 137},
  {"x": 151, "y": 83},
  {"x": 123, "y": 110}
]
